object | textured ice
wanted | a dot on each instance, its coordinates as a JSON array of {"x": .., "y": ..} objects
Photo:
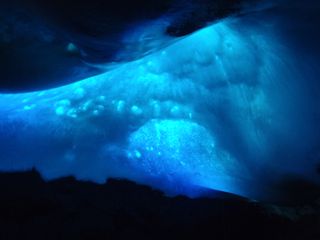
[
  {"x": 177, "y": 154},
  {"x": 230, "y": 107}
]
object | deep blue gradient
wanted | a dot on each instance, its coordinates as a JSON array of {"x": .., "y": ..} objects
[{"x": 233, "y": 107}]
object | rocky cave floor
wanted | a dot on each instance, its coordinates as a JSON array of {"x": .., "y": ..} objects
[{"x": 31, "y": 208}]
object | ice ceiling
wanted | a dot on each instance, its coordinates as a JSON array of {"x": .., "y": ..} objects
[{"x": 228, "y": 108}]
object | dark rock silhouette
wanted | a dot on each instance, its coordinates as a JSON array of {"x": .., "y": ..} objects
[{"x": 68, "y": 209}]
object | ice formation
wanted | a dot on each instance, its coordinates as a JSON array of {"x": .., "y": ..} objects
[{"x": 229, "y": 108}]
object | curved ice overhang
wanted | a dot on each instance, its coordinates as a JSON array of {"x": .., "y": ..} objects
[{"x": 234, "y": 85}]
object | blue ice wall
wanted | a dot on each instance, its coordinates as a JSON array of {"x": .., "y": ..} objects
[{"x": 232, "y": 107}]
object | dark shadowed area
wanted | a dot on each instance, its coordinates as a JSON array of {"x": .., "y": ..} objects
[
  {"x": 45, "y": 44},
  {"x": 69, "y": 209}
]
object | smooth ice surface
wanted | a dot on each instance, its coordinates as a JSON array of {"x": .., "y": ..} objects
[{"x": 231, "y": 107}]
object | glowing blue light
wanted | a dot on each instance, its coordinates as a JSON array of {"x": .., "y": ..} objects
[
  {"x": 183, "y": 154},
  {"x": 208, "y": 111}
]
